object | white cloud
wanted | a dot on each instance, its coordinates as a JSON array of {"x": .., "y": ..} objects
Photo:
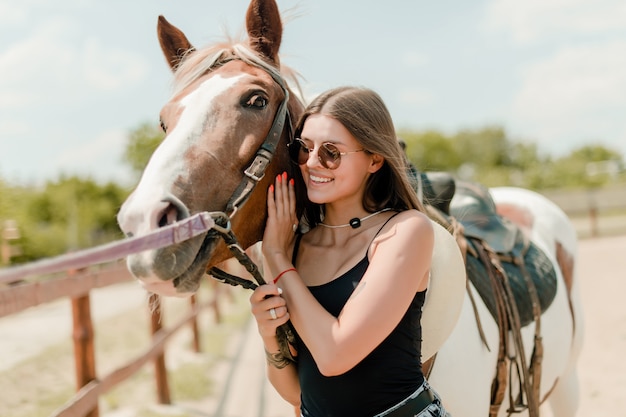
[
  {"x": 13, "y": 128},
  {"x": 56, "y": 64},
  {"x": 15, "y": 99},
  {"x": 100, "y": 157},
  {"x": 38, "y": 65},
  {"x": 413, "y": 97},
  {"x": 412, "y": 59},
  {"x": 111, "y": 68},
  {"x": 530, "y": 20},
  {"x": 577, "y": 92},
  {"x": 13, "y": 13},
  {"x": 91, "y": 152}
]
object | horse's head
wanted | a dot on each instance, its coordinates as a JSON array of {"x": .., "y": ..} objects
[{"x": 228, "y": 105}]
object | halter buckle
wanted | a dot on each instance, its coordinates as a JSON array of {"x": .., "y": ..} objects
[{"x": 256, "y": 170}]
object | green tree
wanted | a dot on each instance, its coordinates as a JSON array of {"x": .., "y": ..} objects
[
  {"x": 68, "y": 214},
  {"x": 573, "y": 170},
  {"x": 142, "y": 142},
  {"x": 487, "y": 155},
  {"x": 431, "y": 151},
  {"x": 486, "y": 147}
]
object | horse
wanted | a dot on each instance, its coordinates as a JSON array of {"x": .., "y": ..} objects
[{"x": 227, "y": 126}]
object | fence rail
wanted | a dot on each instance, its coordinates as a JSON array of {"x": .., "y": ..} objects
[
  {"x": 77, "y": 285},
  {"x": 580, "y": 202},
  {"x": 16, "y": 298},
  {"x": 594, "y": 212}
]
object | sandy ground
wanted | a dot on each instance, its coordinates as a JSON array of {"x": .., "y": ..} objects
[
  {"x": 602, "y": 274},
  {"x": 31, "y": 331},
  {"x": 601, "y": 263}
]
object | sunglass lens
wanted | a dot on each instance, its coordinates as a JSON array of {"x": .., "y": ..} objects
[
  {"x": 298, "y": 152},
  {"x": 330, "y": 157}
]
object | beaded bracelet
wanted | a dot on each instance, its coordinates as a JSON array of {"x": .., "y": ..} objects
[{"x": 283, "y": 273}]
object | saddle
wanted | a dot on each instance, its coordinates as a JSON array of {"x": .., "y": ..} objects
[
  {"x": 472, "y": 205},
  {"x": 514, "y": 278}
]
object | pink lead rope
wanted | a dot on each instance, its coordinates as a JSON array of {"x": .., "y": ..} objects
[{"x": 165, "y": 236}]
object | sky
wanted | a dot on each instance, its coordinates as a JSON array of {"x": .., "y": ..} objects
[{"x": 76, "y": 76}]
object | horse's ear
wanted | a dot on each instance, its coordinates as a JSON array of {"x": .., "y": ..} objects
[
  {"x": 265, "y": 29},
  {"x": 174, "y": 43}
]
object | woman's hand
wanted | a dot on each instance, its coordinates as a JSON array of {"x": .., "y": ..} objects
[
  {"x": 281, "y": 221},
  {"x": 269, "y": 309}
]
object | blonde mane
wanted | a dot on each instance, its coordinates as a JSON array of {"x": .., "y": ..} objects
[{"x": 198, "y": 62}]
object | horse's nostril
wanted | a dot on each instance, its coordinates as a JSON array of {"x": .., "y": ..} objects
[
  {"x": 173, "y": 212},
  {"x": 163, "y": 221},
  {"x": 170, "y": 215}
]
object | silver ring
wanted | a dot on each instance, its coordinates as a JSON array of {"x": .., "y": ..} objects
[
  {"x": 295, "y": 227},
  {"x": 273, "y": 313}
]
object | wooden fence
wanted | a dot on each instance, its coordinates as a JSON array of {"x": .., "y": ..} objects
[
  {"x": 595, "y": 212},
  {"x": 77, "y": 285}
]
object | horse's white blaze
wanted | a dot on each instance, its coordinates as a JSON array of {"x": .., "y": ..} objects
[
  {"x": 168, "y": 163},
  {"x": 140, "y": 212}
]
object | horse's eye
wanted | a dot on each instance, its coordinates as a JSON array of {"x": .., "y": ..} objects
[
  {"x": 163, "y": 127},
  {"x": 257, "y": 100}
]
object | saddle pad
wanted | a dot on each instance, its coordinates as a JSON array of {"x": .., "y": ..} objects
[{"x": 541, "y": 271}]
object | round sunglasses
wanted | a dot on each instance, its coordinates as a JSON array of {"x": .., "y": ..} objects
[{"x": 328, "y": 154}]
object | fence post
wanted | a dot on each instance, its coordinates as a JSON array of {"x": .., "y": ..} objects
[
  {"x": 84, "y": 356},
  {"x": 194, "y": 326},
  {"x": 593, "y": 212},
  {"x": 160, "y": 372}
]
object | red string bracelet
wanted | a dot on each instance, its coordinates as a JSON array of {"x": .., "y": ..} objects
[{"x": 283, "y": 273}]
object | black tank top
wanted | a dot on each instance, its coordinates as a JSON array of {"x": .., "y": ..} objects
[{"x": 389, "y": 374}]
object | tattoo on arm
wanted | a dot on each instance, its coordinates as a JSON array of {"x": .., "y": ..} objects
[{"x": 277, "y": 360}]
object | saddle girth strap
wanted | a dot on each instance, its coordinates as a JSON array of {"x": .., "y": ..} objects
[
  {"x": 537, "y": 356},
  {"x": 499, "y": 384},
  {"x": 508, "y": 321}
]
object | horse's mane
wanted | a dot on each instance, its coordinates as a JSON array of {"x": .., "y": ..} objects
[{"x": 196, "y": 63}]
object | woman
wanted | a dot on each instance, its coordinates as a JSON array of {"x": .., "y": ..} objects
[{"x": 354, "y": 284}]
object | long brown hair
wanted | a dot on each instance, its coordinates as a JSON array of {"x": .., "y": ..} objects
[{"x": 363, "y": 112}]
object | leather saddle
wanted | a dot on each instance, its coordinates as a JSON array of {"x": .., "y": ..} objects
[{"x": 471, "y": 205}]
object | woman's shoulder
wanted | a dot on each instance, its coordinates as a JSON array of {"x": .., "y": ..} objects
[
  {"x": 409, "y": 228},
  {"x": 412, "y": 218},
  {"x": 408, "y": 223}
]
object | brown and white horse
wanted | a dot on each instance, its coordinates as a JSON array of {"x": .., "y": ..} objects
[{"x": 227, "y": 126}]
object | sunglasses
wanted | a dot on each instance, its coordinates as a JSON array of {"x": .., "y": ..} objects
[{"x": 328, "y": 154}]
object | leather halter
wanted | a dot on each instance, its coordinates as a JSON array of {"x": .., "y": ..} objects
[
  {"x": 256, "y": 170},
  {"x": 252, "y": 175}
]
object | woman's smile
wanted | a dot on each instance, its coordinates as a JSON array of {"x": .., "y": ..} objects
[{"x": 319, "y": 180}]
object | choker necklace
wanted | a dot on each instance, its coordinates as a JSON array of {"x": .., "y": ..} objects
[{"x": 354, "y": 223}]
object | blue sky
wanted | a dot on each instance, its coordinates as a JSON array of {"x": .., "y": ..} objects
[{"x": 77, "y": 75}]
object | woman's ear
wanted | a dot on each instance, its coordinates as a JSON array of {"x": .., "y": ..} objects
[{"x": 376, "y": 163}]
